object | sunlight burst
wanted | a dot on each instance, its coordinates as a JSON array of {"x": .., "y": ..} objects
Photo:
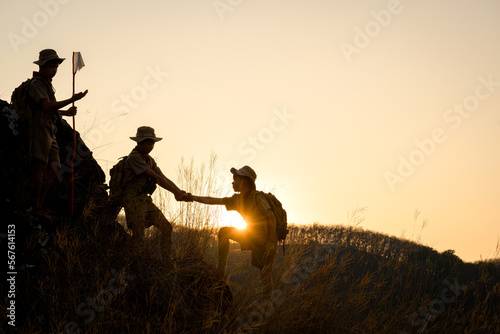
[{"x": 232, "y": 218}]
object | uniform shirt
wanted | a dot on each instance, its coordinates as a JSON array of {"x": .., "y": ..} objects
[
  {"x": 135, "y": 167},
  {"x": 255, "y": 210},
  {"x": 41, "y": 89},
  {"x": 42, "y": 127}
]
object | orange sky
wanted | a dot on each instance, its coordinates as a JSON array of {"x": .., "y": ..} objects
[{"x": 388, "y": 105}]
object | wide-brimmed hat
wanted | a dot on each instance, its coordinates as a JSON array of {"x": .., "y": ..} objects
[
  {"x": 145, "y": 132},
  {"x": 245, "y": 171},
  {"x": 46, "y": 55}
]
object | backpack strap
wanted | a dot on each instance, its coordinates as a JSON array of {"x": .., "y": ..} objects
[{"x": 262, "y": 195}]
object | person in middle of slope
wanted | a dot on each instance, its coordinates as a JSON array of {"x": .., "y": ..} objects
[{"x": 141, "y": 175}]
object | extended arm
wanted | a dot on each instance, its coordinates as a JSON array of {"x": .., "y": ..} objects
[
  {"x": 208, "y": 200},
  {"x": 164, "y": 182},
  {"x": 54, "y": 106}
]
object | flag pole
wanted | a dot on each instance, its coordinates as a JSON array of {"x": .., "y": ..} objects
[
  {"x": 77, "y": 65},
  {"x": 74, "y": 145}
]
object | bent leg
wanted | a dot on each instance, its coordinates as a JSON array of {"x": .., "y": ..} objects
[
  {"x": 135, "y": 213},
  {"x": 266, "y": 272},
  {"x": 155, "y": 217},
  {"x": 226, "y": 233},
  {"x": 112, "y": 208}
]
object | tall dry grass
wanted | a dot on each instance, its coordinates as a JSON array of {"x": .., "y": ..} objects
[{"x": 332, "y": 279}]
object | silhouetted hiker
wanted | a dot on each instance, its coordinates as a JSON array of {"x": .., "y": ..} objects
[
  {"x": 260, "y": 233},
  {"x": 140, "y": 176},
  {"x": 45, "y": 112}
]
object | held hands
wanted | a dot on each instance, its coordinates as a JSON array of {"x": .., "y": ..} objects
[{"x": 184, "y": 197}]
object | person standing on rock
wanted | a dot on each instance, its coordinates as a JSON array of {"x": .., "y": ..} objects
[
  {"x": 45, "y": 112},
  {"x": 140, "y": 177}
]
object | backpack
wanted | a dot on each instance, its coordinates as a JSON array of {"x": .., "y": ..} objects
[
  {"x": 22, "y": 103},
  {"x": 279, "y": 213},
  {"x": 116, "y": 174}
]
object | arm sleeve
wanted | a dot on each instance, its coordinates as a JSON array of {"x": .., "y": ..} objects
[
  {"x": 262, "y": 204},
  {"x": 231, "y": 203},
  {"x": 38, "y": 91},
  {"x": 137, "y": 164},
  {"x": 157, "y": 169}
]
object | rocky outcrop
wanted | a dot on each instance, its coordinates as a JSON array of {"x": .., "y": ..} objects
[
  {"x": 13, "y": 159},
  {"x": 15, "y": 170}
]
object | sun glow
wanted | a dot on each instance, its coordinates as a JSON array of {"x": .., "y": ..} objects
[{"x": 232, "y": 218}]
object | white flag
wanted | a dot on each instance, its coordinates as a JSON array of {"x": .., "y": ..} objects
[{"x": 77, "y": 62}]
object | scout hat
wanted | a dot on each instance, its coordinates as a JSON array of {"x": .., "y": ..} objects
[
  {"x": 46, "y": 55},
  {"x": 145, "y": 132},
  {"x": 245, "y": 171}
]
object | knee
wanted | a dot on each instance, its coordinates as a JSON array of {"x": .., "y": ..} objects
[
  {"x": 224, "y": 232},
  {"x": 165, "y": 227}
]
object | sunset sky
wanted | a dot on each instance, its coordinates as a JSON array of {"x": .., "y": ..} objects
[{"x": 337, "y": 105}]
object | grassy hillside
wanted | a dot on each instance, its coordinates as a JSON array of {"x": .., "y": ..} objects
[
  {"x": 82, "y": 276},
  {"x": 332, "y": 279}
]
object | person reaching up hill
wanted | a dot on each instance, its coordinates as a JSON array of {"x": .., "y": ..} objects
[{"x": 260, "y": 234}]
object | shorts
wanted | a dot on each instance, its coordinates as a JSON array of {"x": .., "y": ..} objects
[
  {"x": 257, "y": 245},
  {"x": 44, "y": 144},
  {"x": 140, "y": 209},
  {"x": 261, "y": 259}
]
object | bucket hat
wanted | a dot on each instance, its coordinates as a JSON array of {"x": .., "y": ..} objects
[
  {"x": 46, "y": 55},
  {"x": 145, "y": 132}
]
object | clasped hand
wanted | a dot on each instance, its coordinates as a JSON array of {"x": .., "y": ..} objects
[{"x": 184, "y": 197}]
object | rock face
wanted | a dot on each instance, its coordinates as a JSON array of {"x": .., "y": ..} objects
[
  {"x": 15, "y": 170},
  {"x": 11, "y": 155},
  {"x": 15, "y": 190}
]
